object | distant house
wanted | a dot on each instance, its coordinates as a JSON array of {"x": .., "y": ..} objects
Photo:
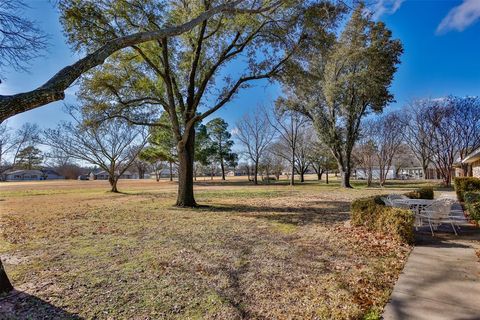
[
  {"x": 473, "y": 160},
  {"x": 362, "y": 173},
  {"x": 32, "y": 175},
  {"x": 234, "y": 173},
  {"x": 103, "y": 175},
  {"x": 410, "y": 173}
]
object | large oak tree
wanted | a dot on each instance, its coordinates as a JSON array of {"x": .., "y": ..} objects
[
  {"x": 191, "y": 76},
  {"x": 54, "y": 88}
]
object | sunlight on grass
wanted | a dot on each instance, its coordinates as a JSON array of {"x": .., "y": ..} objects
[{"x": 252, "y": 251}]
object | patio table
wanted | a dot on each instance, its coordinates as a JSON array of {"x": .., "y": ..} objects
[{"x": 413, "y": 204}]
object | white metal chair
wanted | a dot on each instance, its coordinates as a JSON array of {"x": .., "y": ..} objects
[{"x": 437, "y": 213}]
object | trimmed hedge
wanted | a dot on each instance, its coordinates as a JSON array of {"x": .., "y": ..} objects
[
  {"x": 472, "y": 203},
  {"x": 465, "y": 184},
  {"x": 421, "y": 193},
  {"x": 372, "y": 213}
]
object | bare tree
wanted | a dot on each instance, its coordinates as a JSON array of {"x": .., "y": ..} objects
[
  {"x": 467, "y": 122},
  {"x": 302, "y": 152},
  {"x": 113, "y": 146},
  {"x": 364, "y": 155},
  {"x": 287, "y": 123},
  {"x": 20, "y": 39},
  {"x": 6, "y": 142},
  {"x": 321, "y": 159},
  {"x": 404, "y": 158},
  {"x": 12, "y": 143},
  {"x": 138, "y": 162},
  {"x": 446, "y": 137},
  {"x": 255, "y": 133},
  {"x": 417, "y": 131},
  {"x": 386, "y": 134}
]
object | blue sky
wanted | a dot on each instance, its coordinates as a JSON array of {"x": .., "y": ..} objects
[{"x": 441, "y": 41}]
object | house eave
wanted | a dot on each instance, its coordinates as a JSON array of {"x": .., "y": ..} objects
[{"x": 472, "y": 157}]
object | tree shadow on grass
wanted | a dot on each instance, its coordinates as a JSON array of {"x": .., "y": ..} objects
[
  {"x": 21, "y": 305},
  {"x": 316, "y": 212}
]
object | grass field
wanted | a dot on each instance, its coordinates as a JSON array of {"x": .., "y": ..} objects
[{"x": 254, "y": 252}]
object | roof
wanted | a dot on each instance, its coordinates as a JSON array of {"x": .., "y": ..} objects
[
  {"x": 25, "y": 172},
  {"x": 472, "y": 157},
  {"x": 103, "y": 172},
  {"x": 50, "y": 171}
]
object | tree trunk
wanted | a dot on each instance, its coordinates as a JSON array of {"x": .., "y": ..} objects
[
  {"x": 345, "y": 178},
  {"x": 302, "y": 177},
  {"x": 222, "y": 165},
  {"x": 113, "y": 183},
  {"x": 185, "y": 197},
  {"x": 255, "y": 173},
  {"x": 425, "y": 172},
  {"x": 326, "y": 176},
  {"x": 5, "y": 285},
  {"x": 369, "y": 178},
  {"x": 292, "y": 178},
  {"x": 319, "y": 174},
  {"x": 171, "y": 171},
  {"x": 141, "y": 173}
]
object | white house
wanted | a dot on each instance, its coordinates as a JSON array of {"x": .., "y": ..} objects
[
  {"x": 362, "y": 173},
  {"x": 103, "y": 175},
  {"x": 32, "y": 175}
]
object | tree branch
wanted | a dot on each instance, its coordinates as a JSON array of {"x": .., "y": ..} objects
[{"x": 53, "y": 89}]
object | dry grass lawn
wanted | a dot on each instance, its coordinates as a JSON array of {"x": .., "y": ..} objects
[{"x": 74, "y": 250}]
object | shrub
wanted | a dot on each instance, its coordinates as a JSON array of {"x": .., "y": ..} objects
[
  {"x": 465, "y": 184},
  {"x": 472, "y": 203},
  {"x": 373, "y": 214},
  {"x": 421, "y": 193}
]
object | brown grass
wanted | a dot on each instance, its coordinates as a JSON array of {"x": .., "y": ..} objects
[{"x": 256, "y": 252}]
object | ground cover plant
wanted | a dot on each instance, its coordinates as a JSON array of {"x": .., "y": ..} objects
[{"x": 268, "y": 251}]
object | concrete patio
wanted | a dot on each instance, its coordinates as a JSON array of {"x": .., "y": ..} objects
[{"x": 441, "y": 279}]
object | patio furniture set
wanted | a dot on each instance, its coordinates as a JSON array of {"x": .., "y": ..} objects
[{"x": 431, "y": 213}]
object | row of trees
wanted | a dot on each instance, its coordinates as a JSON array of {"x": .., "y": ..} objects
[
  {"x": 274, "y": 140},
  {"x": 433, "y": 133},
  {"x": 443, "y": 132}
]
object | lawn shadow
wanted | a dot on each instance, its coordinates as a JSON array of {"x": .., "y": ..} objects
[
  {"x": 21, "y": 305},
  {"x": 314, "y": 212}
]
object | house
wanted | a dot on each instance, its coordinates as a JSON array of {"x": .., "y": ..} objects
[
  {"x": 473, "y": 160},
  {"x": 235, "y": 173},
  {"x": 362, "y": 173},
  {"x": 103, "y": 175},
  {"x": 410, "y": 173},
  {"x": 32, "y": 175},
  {"x": 84, "y": 177}
]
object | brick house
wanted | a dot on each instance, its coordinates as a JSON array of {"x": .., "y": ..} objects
[{"x": 473, "y": 160}]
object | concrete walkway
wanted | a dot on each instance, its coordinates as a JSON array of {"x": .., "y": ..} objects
[{"x": 441, "y": 279}]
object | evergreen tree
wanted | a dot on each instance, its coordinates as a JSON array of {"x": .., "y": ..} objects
[
  {"x": 221, "y": 144},
  {"x": 30, "y": 158}
]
